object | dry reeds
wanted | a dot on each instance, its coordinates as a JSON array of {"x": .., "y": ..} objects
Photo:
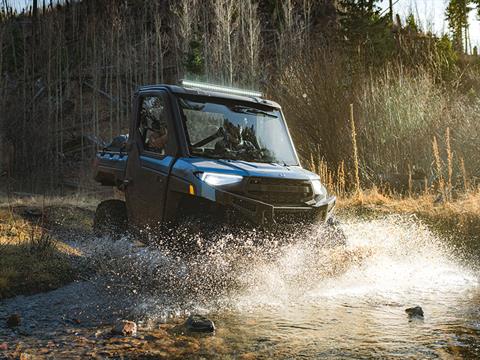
[
  {"x": 340, "y": 183},
  {"x": 438, "y": 166},
  {"x": 410, "y": 181},
  {"x": 464, "y": 175},
  {"x": 355, "y": 151},
  {"x": 463, "y": 213},
  {"x": 449, "y": 163}
]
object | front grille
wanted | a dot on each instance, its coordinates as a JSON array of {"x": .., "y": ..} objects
[{"x": 275, "y": 191}]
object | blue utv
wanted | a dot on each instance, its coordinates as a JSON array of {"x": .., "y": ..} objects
[{"x": 215, "y": 153}]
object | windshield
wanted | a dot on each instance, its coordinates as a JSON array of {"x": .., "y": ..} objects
[{"x": 237, "y": 132}]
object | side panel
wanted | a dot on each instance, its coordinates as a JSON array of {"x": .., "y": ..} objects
[
  {"x": 147, "y": 171},
  {"x": 145, "y": 194}
]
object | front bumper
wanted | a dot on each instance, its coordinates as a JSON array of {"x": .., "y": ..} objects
[{"x": 264, "y": 214}]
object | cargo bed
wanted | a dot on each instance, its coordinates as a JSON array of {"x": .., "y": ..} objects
[{"x": 110, "y": 167}]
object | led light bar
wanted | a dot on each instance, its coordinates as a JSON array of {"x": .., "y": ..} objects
[{"x": 224, "y": 89}]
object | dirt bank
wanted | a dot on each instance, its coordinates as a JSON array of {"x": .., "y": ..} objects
[{"x": 36, "y": 254}]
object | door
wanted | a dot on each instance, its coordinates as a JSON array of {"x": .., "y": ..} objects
[{"x": 150, "y": 159}]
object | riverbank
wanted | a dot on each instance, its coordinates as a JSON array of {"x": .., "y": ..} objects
[
  {"x": 459, "y": 217},
  {"x": 284, "y": 301},
  {"x": 34, "y": 245}
]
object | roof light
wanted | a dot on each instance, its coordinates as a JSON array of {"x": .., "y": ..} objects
[{"x": 224, "y": 89}]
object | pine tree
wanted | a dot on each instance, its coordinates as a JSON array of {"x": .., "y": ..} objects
[
  {"x": 365, "y": 29},
  {"x": 457, "y": 17}
]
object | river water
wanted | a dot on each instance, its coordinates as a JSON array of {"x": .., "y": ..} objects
[{"x": 293, "y": 299}]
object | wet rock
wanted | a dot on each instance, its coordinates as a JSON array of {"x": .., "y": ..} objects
[
  {"x": 14, "y": 320},
  {"x": 415, "y": 312},
  {"x": 199, "y": 323},
  {"x": 125, "y": 328}
]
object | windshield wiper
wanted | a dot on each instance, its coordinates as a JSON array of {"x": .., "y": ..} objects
[
  {"x": 281, "y": 163},
  {"x": 249, "y": 110}
]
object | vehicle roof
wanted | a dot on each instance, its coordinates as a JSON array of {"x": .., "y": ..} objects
[{"x": 215, "y": 94}]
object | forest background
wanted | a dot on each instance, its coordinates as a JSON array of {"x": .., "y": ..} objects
[{"x": 372, "y": 100}]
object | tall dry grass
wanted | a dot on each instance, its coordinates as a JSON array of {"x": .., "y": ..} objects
[
  {"x": 402, "y": 110},
  {"x": 355, "y": 151},
  {"x": 398, "y": 111},
  {"x": 438, "y": 166},
  {"x": 460, "y": 217}
]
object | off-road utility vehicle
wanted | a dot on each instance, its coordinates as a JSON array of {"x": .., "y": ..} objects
[{"x": 211, "y": 152}]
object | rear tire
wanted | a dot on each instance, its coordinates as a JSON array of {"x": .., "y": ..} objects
[{"x": 110, "y": 219}]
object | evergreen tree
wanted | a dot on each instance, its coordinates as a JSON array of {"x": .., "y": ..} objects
[
  {"x": 457, "y": 17},
  {"x": 411, "y": 24},
  {"x": 365, "y": 29}
]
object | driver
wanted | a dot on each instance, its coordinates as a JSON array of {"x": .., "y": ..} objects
[
  {"x": 158, "y": 137},
  {"x": 232, "y": 137}
]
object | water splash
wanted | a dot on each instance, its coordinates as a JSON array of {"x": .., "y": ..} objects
[
  {"x": 276, "y": 297},
  {"x": 386, "y": 258}
]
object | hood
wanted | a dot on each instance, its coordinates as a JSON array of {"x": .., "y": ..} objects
[{"x": 252, "y": 169}]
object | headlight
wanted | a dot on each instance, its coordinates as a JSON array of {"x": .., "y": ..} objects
[
  {"x": 319, "y": 189},
  {"x": 217, "y": 179}
]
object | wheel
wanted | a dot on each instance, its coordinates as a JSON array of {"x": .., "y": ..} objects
[{"x": 110, "y": 219}]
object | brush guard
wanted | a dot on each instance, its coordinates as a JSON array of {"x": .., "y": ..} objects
[{"x": 263, "y": 213}]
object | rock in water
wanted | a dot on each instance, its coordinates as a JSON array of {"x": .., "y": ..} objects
[
  {"x": 199, "y": 323},
  {"x": 125, "y": 328},
  {"x": 415, "y": 312},
  {"x": 13, "y": 320}
]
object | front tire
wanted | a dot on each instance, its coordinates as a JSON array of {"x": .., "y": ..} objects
[{"x": 110, "y": 219}]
